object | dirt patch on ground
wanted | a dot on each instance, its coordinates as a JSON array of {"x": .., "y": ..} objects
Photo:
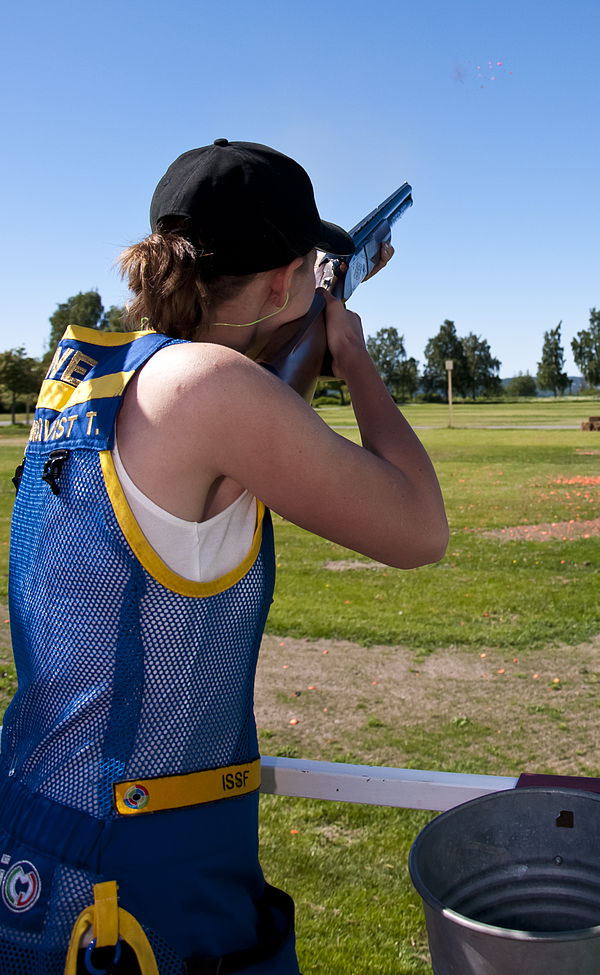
[
  {"x": 14, "y": 441},
  {"x": 545, "y": 531},
  {"x": 342, "y": 564},
  {"x": 535, "y": 712}
]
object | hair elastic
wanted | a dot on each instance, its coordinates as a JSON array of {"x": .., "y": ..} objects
[{"x": 263, "y": 319}]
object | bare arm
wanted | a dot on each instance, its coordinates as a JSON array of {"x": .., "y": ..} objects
[
  {"x": 384, "y": 431},
  {"x": 226, "y": 416}
]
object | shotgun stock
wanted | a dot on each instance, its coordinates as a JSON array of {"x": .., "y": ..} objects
[{"x": 298, "y": 352}]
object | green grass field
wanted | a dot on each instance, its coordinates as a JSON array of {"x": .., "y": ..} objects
[
  {"x": 481, "y": 623},
  {"x": 546, "y": 412},
  {"x": 486, "y": 662},
  {"x": 484, "y": 592}
]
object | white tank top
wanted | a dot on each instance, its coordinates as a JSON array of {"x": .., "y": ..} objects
[{"x": 197, "y": 550}]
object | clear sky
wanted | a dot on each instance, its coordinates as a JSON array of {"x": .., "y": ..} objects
[{"x": 489, "y": 110}]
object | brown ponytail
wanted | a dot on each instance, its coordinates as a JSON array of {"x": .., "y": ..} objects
[{"x": 172, "y": 283}]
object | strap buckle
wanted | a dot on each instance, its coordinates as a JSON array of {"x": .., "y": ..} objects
[{"x": 53, "y": 467}]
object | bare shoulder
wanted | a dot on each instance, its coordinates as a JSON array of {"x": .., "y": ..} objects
[
  {"x": 189, "y": 362},
  {"x": 175, "y": 423},
  {"x": 187, "y": 377}
]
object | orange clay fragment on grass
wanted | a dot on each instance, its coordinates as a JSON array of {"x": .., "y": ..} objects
[
  {"x": 293, "y": 720},
  {"x": 578, "y": 479},
  {"x": 536, "y": 676}
]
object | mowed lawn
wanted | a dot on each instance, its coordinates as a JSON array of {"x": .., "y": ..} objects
[
  {"x": 475, "y": 664},
  {"x": 486, "y": 662}
]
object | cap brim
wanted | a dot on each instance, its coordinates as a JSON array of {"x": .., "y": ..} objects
[{"x": 335, "y": 240}]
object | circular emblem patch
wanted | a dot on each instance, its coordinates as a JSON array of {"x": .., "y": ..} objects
[
  {"x": 136, "y": 797},
  {"x": 21, "y": 886}
]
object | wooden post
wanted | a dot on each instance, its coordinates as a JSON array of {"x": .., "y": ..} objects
[{"x": 449, "y": 368}]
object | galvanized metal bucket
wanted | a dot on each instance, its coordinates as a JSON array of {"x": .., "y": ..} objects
[{"x": 510, "y": 884}]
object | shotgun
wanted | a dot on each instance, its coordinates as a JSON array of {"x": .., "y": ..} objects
[{"x": 297, "y": 352}]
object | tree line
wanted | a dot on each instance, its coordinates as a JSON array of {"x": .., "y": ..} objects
[{"x": 475, "y": 371}]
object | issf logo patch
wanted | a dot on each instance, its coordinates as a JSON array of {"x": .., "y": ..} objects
[
  {"x": 136, "y": 797},
  {"x": 21, "y": 886}
]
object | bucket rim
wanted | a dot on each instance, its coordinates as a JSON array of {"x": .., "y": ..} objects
[{"x": 514, "y": 934}]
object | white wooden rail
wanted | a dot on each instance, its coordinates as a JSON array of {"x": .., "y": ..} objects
[{"x": 374, "y": 785}]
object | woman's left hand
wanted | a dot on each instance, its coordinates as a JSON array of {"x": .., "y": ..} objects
[{"x": 386, "y": 252}]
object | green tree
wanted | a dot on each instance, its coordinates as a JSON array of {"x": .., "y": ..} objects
[
  {"x": 521, "y": 385},
  {"x": 408, "y": 380},
  {"x": 586, "y": 349},
  {"x": 445, "y": 345},
  {"x": 112, "y": 320},
  {"x": 482, "y": 367},
  {"x": 549, "y": 373},
  {"x": 386, "y": 349},
  {"x": 84, "y": 308},
  {"x": 20, "y": 375},
  {"x": 399, "y": 374}
]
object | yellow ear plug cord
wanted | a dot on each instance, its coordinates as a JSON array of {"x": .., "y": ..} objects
[{"x": 263, "y": 319}]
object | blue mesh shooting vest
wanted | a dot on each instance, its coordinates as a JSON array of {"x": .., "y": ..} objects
[{"x": 132, "y": 730}]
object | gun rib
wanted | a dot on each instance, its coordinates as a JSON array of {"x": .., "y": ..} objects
[{"x": 389, "y": 210}]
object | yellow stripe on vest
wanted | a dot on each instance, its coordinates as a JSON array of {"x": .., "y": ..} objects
[
  {"x": 96, "y": 336},
  {"x": 175, "y": 791},
  {"x": 56, "y": 395}
]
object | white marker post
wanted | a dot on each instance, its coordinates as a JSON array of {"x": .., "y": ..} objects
[{"x": 449, "y": 367}]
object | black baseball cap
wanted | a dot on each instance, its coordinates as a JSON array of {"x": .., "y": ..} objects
[{"x": 250, "y": 207}]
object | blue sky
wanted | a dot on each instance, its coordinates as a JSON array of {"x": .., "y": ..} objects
[{"x": 99, "y": 98}]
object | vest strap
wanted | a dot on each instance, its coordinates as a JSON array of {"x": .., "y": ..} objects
[
  {"x": 174, "y": 791},
  {"x": 111, "y": 926}
]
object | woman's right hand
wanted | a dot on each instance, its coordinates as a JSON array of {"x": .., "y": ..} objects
[{"x": 345, "y": 337}]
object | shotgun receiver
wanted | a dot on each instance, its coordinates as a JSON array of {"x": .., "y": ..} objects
[{"x": 298, "y": 352}]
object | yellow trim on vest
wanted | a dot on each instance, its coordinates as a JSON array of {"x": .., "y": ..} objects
[
  {"x": 174, "y": 791},
  {"x": 56, "y": 395},
  {"x": 95, "y": 337},
  {"x": 151, "y": 561},
  {"x": 110, "y": 923}
]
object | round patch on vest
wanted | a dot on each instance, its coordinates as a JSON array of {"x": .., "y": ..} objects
[
  {"x": 136, "y": 797},
  {"x": 21, "y": 886}
]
